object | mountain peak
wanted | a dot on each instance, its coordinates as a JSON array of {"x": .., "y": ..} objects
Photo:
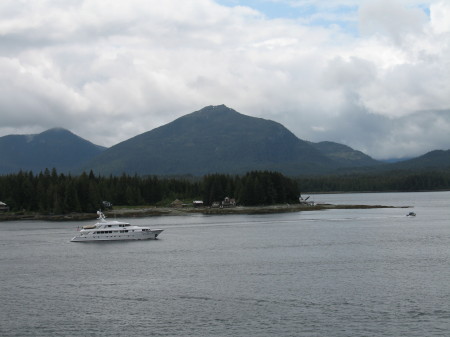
[
  {"x": 57, "y": 129},
  {"x": 55, "y": 132},
  {"x": 214, "y": 110}
]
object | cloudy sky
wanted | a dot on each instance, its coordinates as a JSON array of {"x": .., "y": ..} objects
[{"x": 371, "y": 74}]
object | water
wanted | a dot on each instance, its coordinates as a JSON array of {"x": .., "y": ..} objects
[{"x": 373, "y": 272}]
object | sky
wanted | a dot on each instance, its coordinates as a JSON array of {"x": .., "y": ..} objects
[{"x": 370, "y": 74}]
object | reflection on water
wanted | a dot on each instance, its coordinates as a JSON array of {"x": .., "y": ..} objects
[{"x": 373, "y": 272}]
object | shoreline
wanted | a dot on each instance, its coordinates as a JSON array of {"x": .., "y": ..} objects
[{"x": 143, "y": 212}]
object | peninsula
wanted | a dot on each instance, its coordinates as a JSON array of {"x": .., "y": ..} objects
[{"x": 140, "y": 212}]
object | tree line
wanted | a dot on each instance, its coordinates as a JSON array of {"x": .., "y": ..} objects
[
  {"x": 51, "y": 193},
  {"x": 397, "y": 181}
]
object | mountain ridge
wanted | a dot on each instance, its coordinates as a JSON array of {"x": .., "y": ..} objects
[
  {"x": 54, "y": 148},
  {"x": 215, "y": 139}
]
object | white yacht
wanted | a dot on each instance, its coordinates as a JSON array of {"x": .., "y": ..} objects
[{"x": 114, "y": 230}]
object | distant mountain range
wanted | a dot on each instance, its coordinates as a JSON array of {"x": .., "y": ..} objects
[
  {"x": 55, "y": 148},
  {"x": 430, "y": 160},
  {"x": 215, "y": 139}
]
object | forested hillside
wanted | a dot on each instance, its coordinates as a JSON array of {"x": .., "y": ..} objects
[{"x": 402, "y": 181}]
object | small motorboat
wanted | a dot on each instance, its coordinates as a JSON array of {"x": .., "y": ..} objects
[{"x": 411, "y": 214}]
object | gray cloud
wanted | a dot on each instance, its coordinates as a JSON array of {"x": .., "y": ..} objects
[{"x": 109, "y": 71}]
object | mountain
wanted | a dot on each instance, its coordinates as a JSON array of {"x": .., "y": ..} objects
[
  {"x": 437, "y": 159},
  {"x": 217, "y": 139},
  {"x": 345, "y": 155},
  {"x": 55, "y": 148}
]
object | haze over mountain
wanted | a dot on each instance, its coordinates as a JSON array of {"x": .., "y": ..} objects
[{"x": 55, "y": 148}]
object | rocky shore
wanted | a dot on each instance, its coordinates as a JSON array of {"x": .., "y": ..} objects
[{"x": 162, "y": 211}]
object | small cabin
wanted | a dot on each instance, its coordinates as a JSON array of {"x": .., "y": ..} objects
[
  {"x": 229, "y": 202},
  {"x": 107, "y": 205},
  {"x": 197, "y": 203},
  {"x": 3, "y": 207}
]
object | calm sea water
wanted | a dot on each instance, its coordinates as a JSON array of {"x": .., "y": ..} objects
[{"x": 369, "y": 272}]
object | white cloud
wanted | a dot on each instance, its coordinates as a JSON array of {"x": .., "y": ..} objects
[
  {"x": 391, "y": 18},
  {"x": 440, "y": 12},
  {"x": 109, "y": 71}
]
